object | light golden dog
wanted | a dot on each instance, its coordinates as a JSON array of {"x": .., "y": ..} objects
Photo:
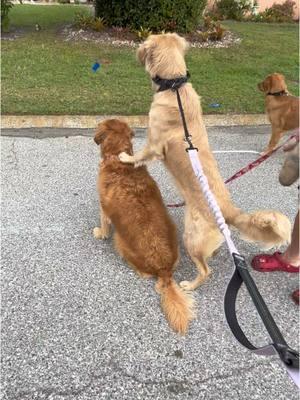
[
  {"x": 163, "y": 56},
  {"x": 281, "y": 107},
  {"x": 145, "y": 235}
]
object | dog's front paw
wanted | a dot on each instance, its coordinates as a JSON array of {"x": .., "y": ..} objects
[
  {"x": 126, "y": 158},
  {"x": 99, "y": 233}
]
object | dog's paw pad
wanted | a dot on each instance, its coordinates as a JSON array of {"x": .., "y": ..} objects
[
  {"x": 125, "y": 158},
  {"x": 186, "y": 285},
  {"x": 99, "y": 234}
]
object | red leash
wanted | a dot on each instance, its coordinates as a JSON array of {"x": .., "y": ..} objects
[{"x": 246, "y": 169}]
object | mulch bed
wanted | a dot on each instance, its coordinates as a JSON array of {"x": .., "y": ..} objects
[
  {"x": 13, "y": 34},
  {"x": 124, "y": 38},
  {"x": 119, "y": 37}
]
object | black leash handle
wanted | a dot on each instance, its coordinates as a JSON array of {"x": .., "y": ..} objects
[{"x": 241, "y": 275}]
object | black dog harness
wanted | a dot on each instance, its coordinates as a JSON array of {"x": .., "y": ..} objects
[
  {"x": 277, "y": 94},
  {"x": 174, "y": 85}
]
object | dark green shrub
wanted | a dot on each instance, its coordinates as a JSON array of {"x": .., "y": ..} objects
[
  {"x": 233, "y": 9},
  {"x": 6, "y": 5},
  {"x": 154, "y": 15}
]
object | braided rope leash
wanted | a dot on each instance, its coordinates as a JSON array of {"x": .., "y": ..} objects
[
  {"x": 288, "y": 356},
  {"x": 257, "y": 162},
  {"x": 247, "y": 168}
]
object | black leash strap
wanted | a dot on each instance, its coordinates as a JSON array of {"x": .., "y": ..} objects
[
  {"x": 187, "y": 135},
  {"x": 241, "y": 275}
]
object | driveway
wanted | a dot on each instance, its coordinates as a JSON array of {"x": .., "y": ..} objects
[{"x": 78, "y": 324}]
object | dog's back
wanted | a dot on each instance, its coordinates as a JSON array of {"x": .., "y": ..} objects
[
  {"x": 132, "y": 201},
  {"x": 283, "y": 111},
  {"x": 145, "y": 235}
]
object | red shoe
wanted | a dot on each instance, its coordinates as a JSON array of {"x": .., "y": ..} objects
[
  {"x": 295, "y": 296},
  {"x": 272, "y": 262}
]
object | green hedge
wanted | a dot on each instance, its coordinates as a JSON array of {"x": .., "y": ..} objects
[{"x": 157, "y": 15}]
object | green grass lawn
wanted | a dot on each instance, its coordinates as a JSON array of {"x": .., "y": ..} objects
[
  {"x": 42, "y": 74},
  {"x": 26, "y": 15}
]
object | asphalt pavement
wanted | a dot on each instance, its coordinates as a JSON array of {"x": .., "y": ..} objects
[{"x": 78, "y": 324}]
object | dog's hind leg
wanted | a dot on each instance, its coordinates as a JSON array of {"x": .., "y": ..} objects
[
  {"x": 125, "y": 253},
  {"x": 104, "y": 230},
  {"x": 203, "y": 273},
  {"x": 201, "y": 239}
]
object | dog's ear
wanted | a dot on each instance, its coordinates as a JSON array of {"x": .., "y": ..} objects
[
  {"x": 142, "y": 53},
  {"x": 183, "y": 44},
  {"x": 145, "y": 51},
  {"x": 127, "y": 130},
  {"x": 100, "y": 134}
]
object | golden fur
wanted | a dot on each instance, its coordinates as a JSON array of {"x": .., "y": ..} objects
[
  {"x": 282, "y": 111},
  {"x": 145, "y": 235},
  {"x": 163, "y": 55}
]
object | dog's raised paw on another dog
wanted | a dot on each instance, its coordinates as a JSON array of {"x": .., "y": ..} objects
[{"x": 125, "y": 158}]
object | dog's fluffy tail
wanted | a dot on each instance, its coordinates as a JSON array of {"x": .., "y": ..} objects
[
  {"x": 177, "y": 304},
  {"x": 268, "y": 228}
]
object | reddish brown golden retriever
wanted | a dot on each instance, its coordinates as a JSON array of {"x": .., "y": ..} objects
[
  {"x": 145, "y": 235},
  {"x": 281, "y": 108}
]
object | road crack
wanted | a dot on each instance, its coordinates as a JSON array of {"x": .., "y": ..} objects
[{"x": 175, "y": 386}]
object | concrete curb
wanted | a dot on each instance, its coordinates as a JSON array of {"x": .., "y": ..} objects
[{"x": 135, "y": 121}]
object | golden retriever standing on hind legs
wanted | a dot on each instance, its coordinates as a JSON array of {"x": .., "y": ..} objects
[
  {"x": 163, "y": 57},
  {"x": 145, "y": 235}
]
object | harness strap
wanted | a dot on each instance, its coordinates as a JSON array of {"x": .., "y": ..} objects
[
  {"x": 281, "y": 93},
  {"x": 187, "y": 135},
  {"x": 173, "y": 84}
]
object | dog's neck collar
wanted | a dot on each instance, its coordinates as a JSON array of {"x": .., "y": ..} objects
[
  {"x": 170, "y": 84},
  {"x": 276, "y": 94}
]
